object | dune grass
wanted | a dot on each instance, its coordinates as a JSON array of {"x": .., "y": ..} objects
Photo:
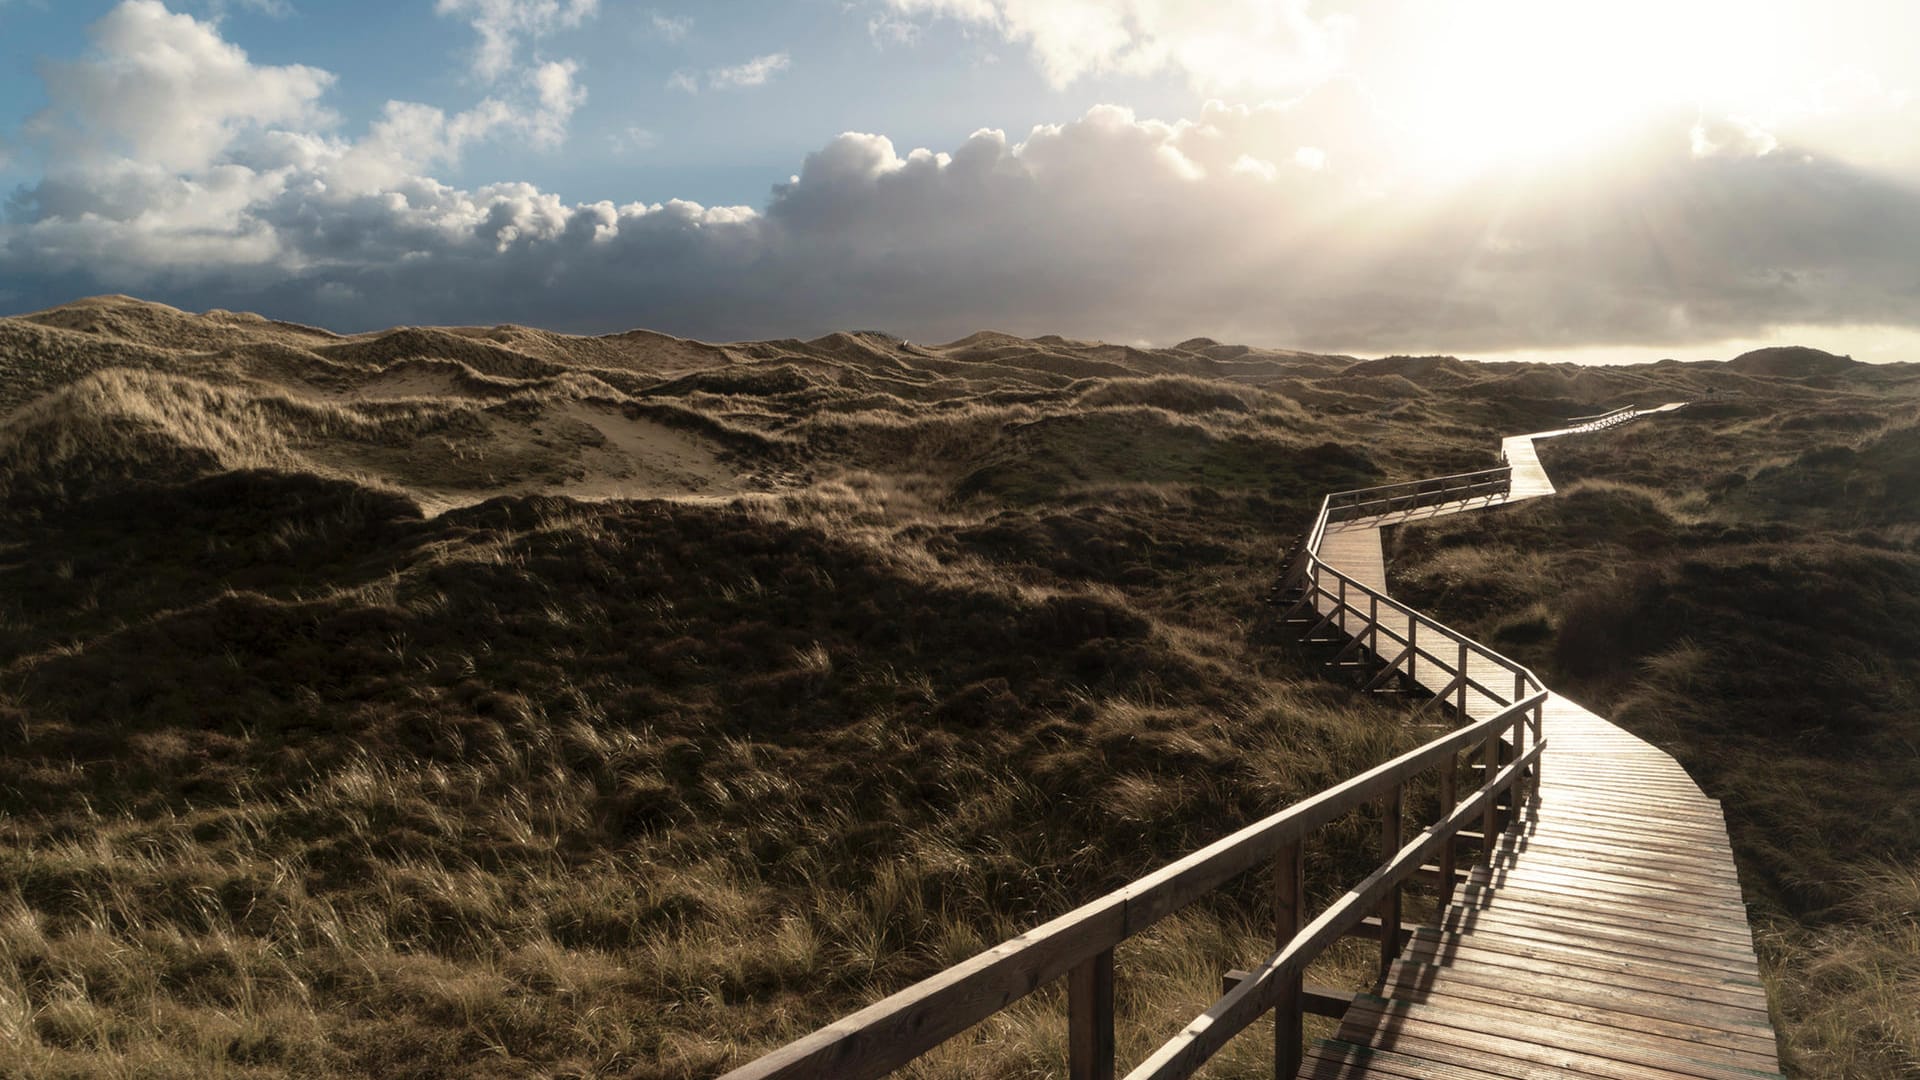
[{"x": 339, "y": 746}]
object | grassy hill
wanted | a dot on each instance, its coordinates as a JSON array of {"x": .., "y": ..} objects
[{"x": 492, "y": 702}]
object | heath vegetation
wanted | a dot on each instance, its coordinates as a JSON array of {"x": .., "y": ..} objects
[{"x": 491, "y": 702}]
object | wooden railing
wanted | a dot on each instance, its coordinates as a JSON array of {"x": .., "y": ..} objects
[
  {"x": 1355, "y": 610},
  {"x": 1605, "y": 419},
  {"x": 1079, "y": 945},
  {"x": 1414, "y": 494}
]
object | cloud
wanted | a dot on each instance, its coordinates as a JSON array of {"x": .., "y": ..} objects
[
  {"x": 633, "y": 139},
  {"x": 167, "y": 90},
  {"x": 669, "y": 27},
  {"x": 1263, "y": 45},
  {"x": 754, "y": 72},
  {"x": 278, "y": 9},
  {"x": 1276, "y": 224},
  {"x": 558, "y": 96},
  {"x": 505, "y": 25},
  {"x": 1731, "y": 136},
  {"x": 890, "y": 29}
]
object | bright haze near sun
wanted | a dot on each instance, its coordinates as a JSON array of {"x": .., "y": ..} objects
[{"x": 1605, "y": 181}]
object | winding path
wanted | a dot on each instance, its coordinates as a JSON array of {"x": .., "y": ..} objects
[
  {"x": 1602, "y": 936},
  {"x": 1605, "y": 938}
]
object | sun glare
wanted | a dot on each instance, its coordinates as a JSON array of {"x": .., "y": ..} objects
[{"x": 1490, "y": 83}]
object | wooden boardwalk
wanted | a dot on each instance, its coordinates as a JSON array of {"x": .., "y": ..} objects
[
  {"x": 1601, "y": 936},
  {"x": 1605, "y": 938}
]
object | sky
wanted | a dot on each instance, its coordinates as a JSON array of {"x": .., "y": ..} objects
[{"x": 1545, "y": 179}]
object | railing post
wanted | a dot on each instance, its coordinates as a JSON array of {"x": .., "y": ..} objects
[
  {"x": 1449, "y": 798},
  {"x": 1413, "y": 648},
  {"x": 1539, "y": 737},
  {"x": 1489, "y": 820},
  {"x": 1518, "y": 800},
  {"x": 1342, "y": 609},
  {"x": 1508, "y": 755},
  {"x": 1289, "y": 902},
  {"x": 1373, "y": 624},
  {"x": 1090, "y": 1018},
  {"x": 1394, "y": 805},
  {"x": 1463, "y": 679}
]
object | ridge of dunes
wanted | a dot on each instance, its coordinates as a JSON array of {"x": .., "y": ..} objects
[{"x": 494, "y": 702}]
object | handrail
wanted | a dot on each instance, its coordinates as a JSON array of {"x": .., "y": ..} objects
[
  {"x": 895, "y": 1030},
  {"x": 1413, "y": 494},
  {"x": 1264, "y": 988},
  {"x": 1596, "y": 417},
  {"x": 1310, "y": 575}
]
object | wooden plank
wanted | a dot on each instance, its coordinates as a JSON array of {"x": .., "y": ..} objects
[
  {"x": 1747, "y": 1052},
  {"x": 1629, "y": 939},
  {"x": 1541, "y": 878},
  {"x": 1667, "y": 897},
  {"x": 1621, "y": 866},
  {"x": 1604, "y": 845},
  {"x": 1575, "y": 999},
  {"x": 1534, "y": 940},
  {"x": 1571, "y": 825},
  {"x": 1602, "y": 921},
  {"x": 1737, "y": 996},
  {"x": 1674, "y": 976},
  {"x": 1616, "y": 849},
  {"x": 1332, "y": 1059},
  {"x": 1633, "y": 1042},
  {"x": 1726, "y": 923},
  {"x": 1539, "y": 1052},
  {"x": 1615, "y": 859}
]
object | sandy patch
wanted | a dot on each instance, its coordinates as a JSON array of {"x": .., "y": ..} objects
[
  {"x": 644, "y": 459},
  {"x": 409, "y": 382}
]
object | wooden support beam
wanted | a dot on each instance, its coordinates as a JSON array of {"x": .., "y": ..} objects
[
  {"x": 1289, "y": 913},
  {"x": 1393, "y": 813},
  {"x": 1449, "y": 798},
  {"x": 1388, "y": 671},
  {"x": 1090, "y": 1018},
  {"x": 1490, "y": 823}
]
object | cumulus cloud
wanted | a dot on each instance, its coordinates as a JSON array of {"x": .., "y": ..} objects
[
  {"x": 1268, "y": 224},
  {"x": 558, "y": 96},
  {"x": 168, "y": 91},
  {"x": 505, "y": 25},
  {"x": 1266, "y": 45}
]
